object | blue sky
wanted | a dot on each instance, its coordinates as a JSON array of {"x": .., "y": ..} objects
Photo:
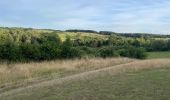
[{"x": 151, "y": 16}]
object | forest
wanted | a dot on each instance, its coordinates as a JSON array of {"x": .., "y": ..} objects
[{"x": 27, "y": 44}]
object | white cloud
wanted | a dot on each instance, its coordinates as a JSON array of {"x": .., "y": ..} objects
[{"x": 113, "y": 15}]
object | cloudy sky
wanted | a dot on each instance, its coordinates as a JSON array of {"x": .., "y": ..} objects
[{"x": 151, "y": 16}]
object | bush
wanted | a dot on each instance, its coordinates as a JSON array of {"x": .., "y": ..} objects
[
  {"x": 108, "y": 52},
  {"x": 10, "y": 51},
  {"x": 30, "y": 51},
  {"x": 49, "y": 52},
  {"x": 133, "y": 52},
  {"x": 159, "y": 45}
]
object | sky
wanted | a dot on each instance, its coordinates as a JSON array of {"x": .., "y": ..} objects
[{"x": 146, "y": 16}]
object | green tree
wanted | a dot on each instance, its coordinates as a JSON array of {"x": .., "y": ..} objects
[{"x": 108, "y": 52}]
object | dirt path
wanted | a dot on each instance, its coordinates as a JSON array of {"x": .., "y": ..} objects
[{"x": 114, "y": 70}]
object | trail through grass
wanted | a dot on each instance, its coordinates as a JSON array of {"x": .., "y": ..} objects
[
  {"x": 15, "y": 75},
  {"x": 143, "y": 85},
  {"x": 140, "y": 80}
]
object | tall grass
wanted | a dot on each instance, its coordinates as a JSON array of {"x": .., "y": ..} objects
[
  {"x": 140, "y": 65},
  {"x": 19, "y": 72}
]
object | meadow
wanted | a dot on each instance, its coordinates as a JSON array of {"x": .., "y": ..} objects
[
  {"x": 42, "y": 64},
  {"x": 159, "y": 54},
  {"x": 20, "y": 74},
  {"x": 139, "y": 79}
]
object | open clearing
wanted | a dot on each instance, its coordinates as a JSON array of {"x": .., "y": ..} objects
[
  {"x": 157, "y": 55},
  {"x": 16, "y": 75},
  {"x": 138, "y": 80}
]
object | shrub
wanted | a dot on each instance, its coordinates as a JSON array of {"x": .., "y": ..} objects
[
  {"x": 133, "y": 52},
  {"x": 49, "y": 52},
  {"x": 30, "y": 51},
  {"x": 158, "y": 45},
  {"x": 10, "y": 51},
  {"x": 108, "y": 52}
]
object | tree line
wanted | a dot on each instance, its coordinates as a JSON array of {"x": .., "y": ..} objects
[{"x": 18, "y": 44}]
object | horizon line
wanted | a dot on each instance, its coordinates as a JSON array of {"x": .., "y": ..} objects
[{"x": 36, "y": 28}]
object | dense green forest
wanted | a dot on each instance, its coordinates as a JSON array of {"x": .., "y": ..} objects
[{"x": 27, "y": 44}]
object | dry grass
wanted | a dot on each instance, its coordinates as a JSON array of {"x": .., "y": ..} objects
[
  {"x": 116, "y": 68},
  {"x": 139, "y": 65},
  {"x": 135, "y": 66},
  {"x": 14, "y": 73},
  {"x": 150, "y": 64}
]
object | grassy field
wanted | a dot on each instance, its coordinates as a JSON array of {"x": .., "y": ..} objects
[
  {"x": 14, "y": 75},
  {"x": 152, "y": 55},
  {"x": 138, "y": 80},
  {"x": 144, "y": 85}
]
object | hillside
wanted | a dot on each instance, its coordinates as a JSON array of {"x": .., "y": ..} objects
[
  {"x": 89, "y": 32},
  {"x": 84, "y": 50},
  {"x": 46, "y": 44},
  {"x": 41, "y": 64}
]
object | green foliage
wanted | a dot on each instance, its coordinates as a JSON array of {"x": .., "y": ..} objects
[
  {"x": 30, "y": 52},
  {"x": 108, "y": 52},
  {"x": 51, "y": 38},
  {"x": 168, "y": 45},
  {"x": 19, "y": 44},
  {"x": 133, "y": 52},
  {"x": 10, "y": 51},
  {"x": 159, "y": 45},
  {"x": 49, "y": 52}
]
